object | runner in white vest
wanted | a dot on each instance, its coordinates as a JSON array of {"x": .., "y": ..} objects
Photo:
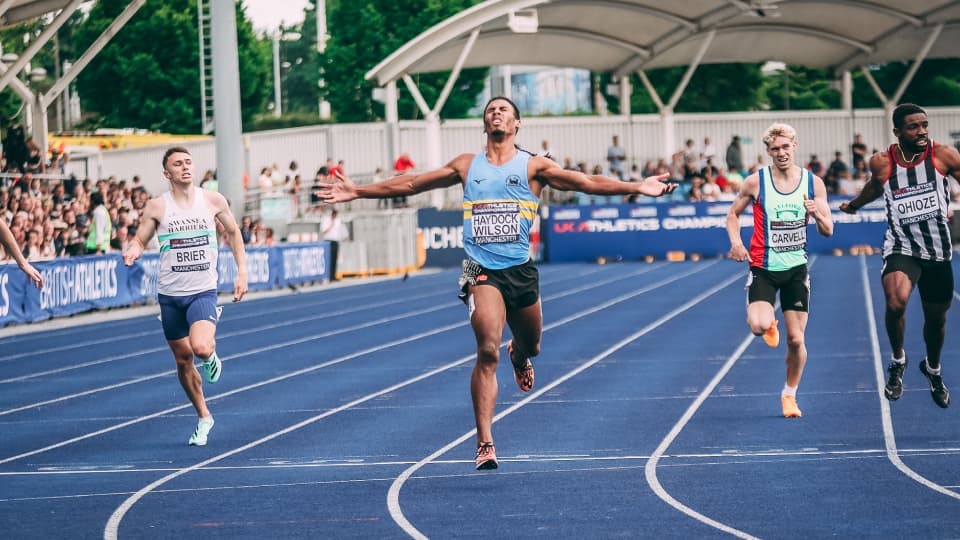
[{"x": 184, "y": 220}]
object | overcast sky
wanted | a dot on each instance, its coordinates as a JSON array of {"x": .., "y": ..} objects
[{"x": 268, "y": 14}]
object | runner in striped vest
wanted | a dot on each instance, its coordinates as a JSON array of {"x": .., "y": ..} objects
[{"x": 912, "y": 178}]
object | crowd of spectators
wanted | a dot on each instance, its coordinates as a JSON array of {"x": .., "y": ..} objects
[{"x": 55, "y": 217}]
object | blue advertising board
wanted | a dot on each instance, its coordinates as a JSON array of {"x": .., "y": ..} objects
[
  {"x": 441, "y": 232},
  {"x": 77, "y": 284},
  {"x": 634, "y": 231}
]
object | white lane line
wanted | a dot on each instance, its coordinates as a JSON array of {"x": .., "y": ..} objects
[
  {"x": 243, "y": 389},
  {"x": 244, "y": 332},
  {"x": 248, "y": 331},
  {"x": 113, "y": 524},
  {"x": 108, "y": 429},
  {"x": 689, "y": 460},
  {"x": 255, "y": 315},
  {"x": 650, "y": 470},
  {"x": 298, "y": 341},
  {"x": 393, "y": 495},
  {"x": 889, "y": 437}
]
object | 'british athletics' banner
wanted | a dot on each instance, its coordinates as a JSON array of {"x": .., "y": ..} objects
[{"x": 77, "y": 284}]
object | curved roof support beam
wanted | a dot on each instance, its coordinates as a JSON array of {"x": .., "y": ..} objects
[
  {"x": 455, "y": 74},
  {"x": 651, "y": 90},
  {"x": 800, "y": 30},
  {"x": 869, "y": 6},
  {"x": 92, "y": 51},
  {"x": 393, "y": 66},
  {"x": 417, "y": 96},
  {"x": 39, "y": 42},
  {"x": 694, "y": 64},
  {"x": 31, "y": 10},
  {"x": 638, "y": 50},
  {"x": 4, "y": 6},
  {"x": 860, "y": 58},
  {"x": 921, "y": 56},
  {"x": 669, "y": 17},
  {"x": 709, "y": 20}
]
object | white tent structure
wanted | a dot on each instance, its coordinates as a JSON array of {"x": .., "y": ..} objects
[{"x": 630, "y": 36}]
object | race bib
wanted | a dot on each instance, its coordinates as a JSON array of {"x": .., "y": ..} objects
[
  {"x": 788, "y": 236},
  {"x": 913, "y": 204},
  {"x": 496, "y": 222}
]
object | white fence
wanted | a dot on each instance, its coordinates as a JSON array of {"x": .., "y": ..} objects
[{"x": 582, "y": 138}]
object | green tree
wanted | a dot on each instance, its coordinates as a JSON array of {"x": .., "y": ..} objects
[
  {"x": 712, "y": 88},
  {"x": 936, "y": 83},
  {"x": 365, "y": 32},
  {"x": 799, "y": 88},
  {"x": 148, "y": 76}
]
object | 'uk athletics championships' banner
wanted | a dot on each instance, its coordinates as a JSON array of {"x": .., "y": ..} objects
[
  {"x": 633, "y": 231},
  {"x": 78, "y": 284}
]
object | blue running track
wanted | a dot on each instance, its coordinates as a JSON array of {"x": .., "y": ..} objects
[{"x": 345, "y": 413}]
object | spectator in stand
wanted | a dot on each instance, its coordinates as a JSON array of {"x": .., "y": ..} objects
[
  {"x": 708, "y": 152},
  {"x": 33, "y": 247},
  {"x": 815, "y": 165},
  {"x": 735, "y": 156},
  {"x": 98, "y": 238},
  {"x": 616, "y": 155},
  {"x": 548, "y": 152},
  {"x": 334, "y": 231},
  {"x": 709, "y": 190},
  {"x": 246, "y": 229},
  {"x": 337, "y": 169},
  {"x": 858, "y": 151},
  {"x": 11, "y": 250},
  {"x": 264, "y": 182},
  {"x": 835, "y": 172},
  {"x": 36, "y": 162}
]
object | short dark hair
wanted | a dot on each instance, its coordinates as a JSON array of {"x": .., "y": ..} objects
[
  {"x": 904, "y": 110},
  {"x": 173, "y": 150}
]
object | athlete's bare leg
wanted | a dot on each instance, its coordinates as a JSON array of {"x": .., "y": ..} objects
[
  {"x": 189, "y": 377},
  {"x": 796, "y": 322},
  {"x": 760, "y": 317},
  {"x": 896, "y": 288},
  {"x": 202, "y": 339},
  {"x": 526, "y": 326},
  {"x": 934, "y": 329},
  {"x": 487, "y": 320}
]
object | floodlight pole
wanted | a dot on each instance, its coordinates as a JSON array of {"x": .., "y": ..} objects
[{"x": 226, "y": 98}]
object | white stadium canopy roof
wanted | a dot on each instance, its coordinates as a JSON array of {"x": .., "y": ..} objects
[{"x": 624, "y": 36}]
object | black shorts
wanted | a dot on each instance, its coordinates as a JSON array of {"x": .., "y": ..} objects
[
  {"x": 793, "y": 284},
  {"x": 518, "y": 285},
  {"x": 934, "y": 279}
]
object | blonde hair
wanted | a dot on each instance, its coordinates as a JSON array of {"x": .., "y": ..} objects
[{"x": 779, "y": 130}]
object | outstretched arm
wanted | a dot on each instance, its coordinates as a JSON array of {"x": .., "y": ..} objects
[
  {"x": 553, "y": 175},
  {"x": 873, "y": 189},
  {"x": 343, "y": 189},
  {"x": 11, "y": 247}
]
